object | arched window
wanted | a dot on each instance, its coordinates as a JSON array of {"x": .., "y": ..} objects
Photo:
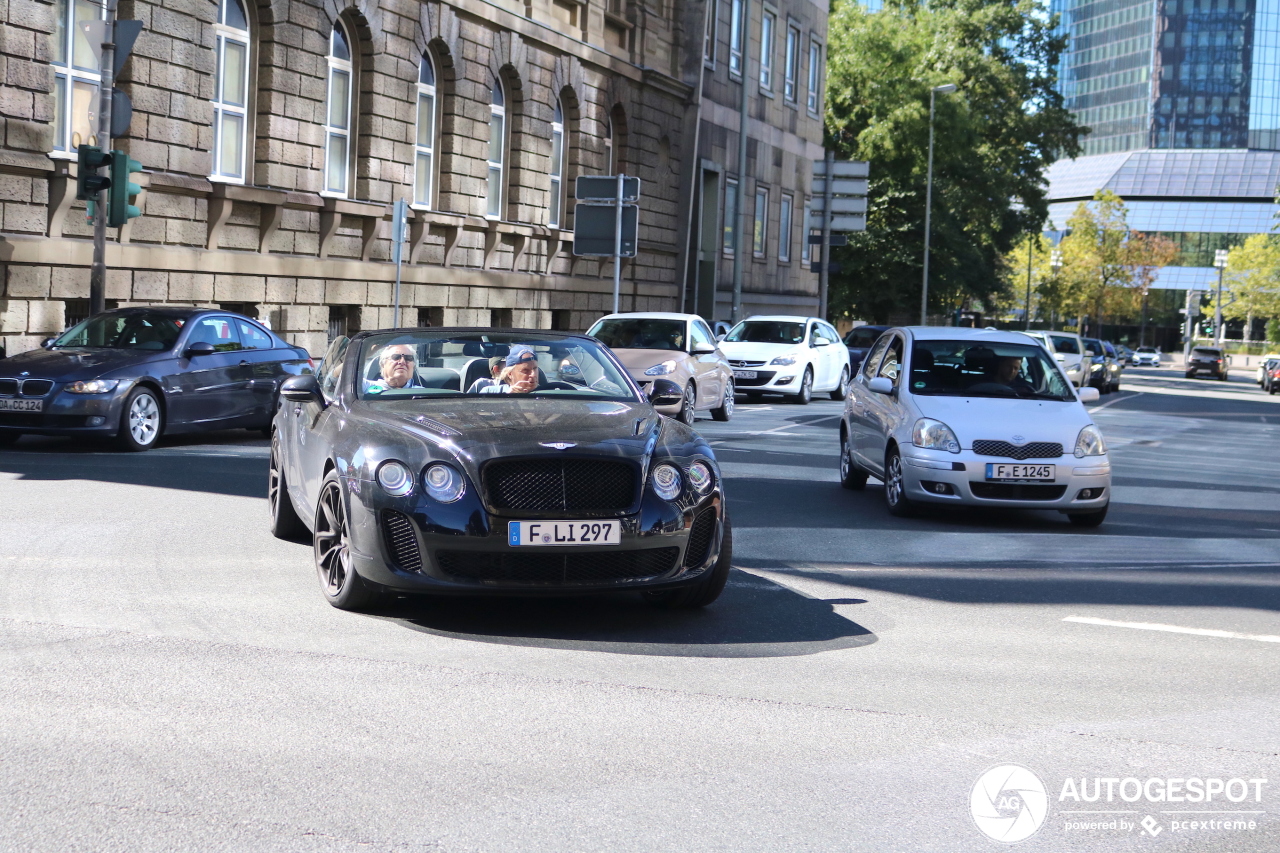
[
  {"x": 231, "y": 91},
  {"x": 337, "y": 130},
  {"x": 497, "y": 150},
  {"x": 76, "y": 76},
  {"x": 424, "y": 158},
  {"x": 557, "y": 167}
]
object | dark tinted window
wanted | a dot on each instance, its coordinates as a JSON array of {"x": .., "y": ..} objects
[{"x": 124, "y": 331}]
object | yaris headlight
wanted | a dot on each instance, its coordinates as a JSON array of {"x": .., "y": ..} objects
[
  {"x": 935, "y": 435},
  {"x": 1090, "y": 443},
  {"x": 666, "y": 481},
  {"x": 443, "y": 482},
  {"x": 661, "y": 369}
]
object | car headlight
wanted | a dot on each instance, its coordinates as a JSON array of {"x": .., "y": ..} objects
[
  {"x": 700, "y": 477},
  {"x": 935, "y": 435},
  {"x": 1090, "y": 443},
  {"x": 395, "y": 478},
  {"x": 661, "y": 369},
  {"x": 784, "y": 359},
  {"x": 444, "y": 482},
  {"x": 92, "y": 386},
  {"x": 666, "y": 481}
]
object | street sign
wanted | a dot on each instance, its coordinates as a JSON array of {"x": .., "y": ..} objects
[
  {"x": 605, "y": 188},
  {"x": 837, "y": 240},
  {"x": 595, "y": 226},
  {"x": 833, "y": 269},
  {"x": 842, "y": 195},
  {"x": 847, "y": 222},
  {"x": 843, "y": 168},
  {"x": 121, "y": 113},
  {"x": 842, "y": 186}
]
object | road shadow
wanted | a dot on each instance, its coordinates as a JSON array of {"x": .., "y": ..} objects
[{"x": 754, "y": 617}]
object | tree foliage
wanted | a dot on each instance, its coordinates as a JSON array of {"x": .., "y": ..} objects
[
  {"x": 1252, "y": 279},
  {"x": 995, "y": 138}
]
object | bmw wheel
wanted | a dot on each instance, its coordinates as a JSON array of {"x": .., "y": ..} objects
[
  {"x": 851, "y": 476},
  {"x": 843, "y": 388},
  {"x": 342, "y": 587},
  {"x": 725, "y": 410},
  {"x": 141, "y": 420},
  {"x": 895, "y": 487},
  {"x": 806, "y": 388},
  {"x": 687, "y": 413}
]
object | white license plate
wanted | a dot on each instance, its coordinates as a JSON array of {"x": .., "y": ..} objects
[
  {"x": 744, "y": 374},
  {"x": 1002, "y": 471},
  {"x": 564, "y": 532},
  {"x": 21, "y": 405}
]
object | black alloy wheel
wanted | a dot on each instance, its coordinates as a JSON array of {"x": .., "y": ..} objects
[
  {"x": 806, "y": 388},
  {"x": 141, "y": 420},
  {"x": 851, "y": 476},
  {"x": 843, "y": 388},
  {"x": 342, "y": 587},
  {"x": 895, "y": 486},
  {"x": 1088, "y": 519},
  {"x": 688, "y": 413},
  {"x": 725, "y": 410},
  {"x": 285, "y": 523},
  {"x": 705, "y": 590}
]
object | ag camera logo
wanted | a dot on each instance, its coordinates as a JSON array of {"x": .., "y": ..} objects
[{"x": 1009, "y": 803}]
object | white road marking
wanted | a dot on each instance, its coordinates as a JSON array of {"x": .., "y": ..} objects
[
  {"x": 1117, "y": 400},
  {"x": 1173, "y": 629}
]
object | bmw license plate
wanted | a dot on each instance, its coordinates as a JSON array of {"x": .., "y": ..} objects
[
  {"x": 1004, "y": 471},
  {"x": 564, "y": 533},
  {"x": 744, "y": 374},
  {"x": 21, "y": 405}
]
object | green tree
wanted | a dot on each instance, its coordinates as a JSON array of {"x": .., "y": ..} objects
[
  {"x": 995, "y": 138},
  {"x": 1252, "y": 278}
]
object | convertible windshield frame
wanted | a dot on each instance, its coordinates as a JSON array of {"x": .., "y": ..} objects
[{"x": 960, "y": 368}]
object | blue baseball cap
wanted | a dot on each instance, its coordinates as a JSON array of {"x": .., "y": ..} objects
[{"x": 519, "y": 355}]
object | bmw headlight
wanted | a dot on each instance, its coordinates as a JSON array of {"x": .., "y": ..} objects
[
  {"x": 395, "y": 478},
  {"x": 1090, "y": 443},
  {"x": 444, "y": 482},
  {"x": 666, "y": 481},
  {"x": 935, "y": 435},
  {"x": 784, "y": 360},
  {"x": 700, "y": 477},
  {"x": 92, "y": 386},
  {"x": 661, "y": 369}
]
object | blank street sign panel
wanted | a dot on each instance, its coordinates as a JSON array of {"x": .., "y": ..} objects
[
  {"x": 843, "y": 168},
  {"x": 843, "y": 186},
  {"x": 594, "y": 227},
  {"x": 605, "y": 188}
]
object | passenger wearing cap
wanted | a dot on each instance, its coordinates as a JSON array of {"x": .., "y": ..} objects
[{"x": 519, "y": 374}]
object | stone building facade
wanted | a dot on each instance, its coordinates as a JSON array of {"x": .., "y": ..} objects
[{"x": 277, "y": 135}]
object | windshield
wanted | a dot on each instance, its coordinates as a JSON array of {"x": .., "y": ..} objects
[
  {"x": 766, "y": 332},
  {"x": 424, "y": 364},
  {"x": 124, "y": 331},
  {"x": 1095, "y": 346},
  {"x": 1146, "y": 349},
  {"x": 640, "y": 333},
  {"x": 963, "y": 369}
]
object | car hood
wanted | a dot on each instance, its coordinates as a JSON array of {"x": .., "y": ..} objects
[
  {"x": 72, "y": 364},
  {"x": 637, "y": 361},
  {"x": 756, "y": 351},
  {"x": 1000, "y": 420}
]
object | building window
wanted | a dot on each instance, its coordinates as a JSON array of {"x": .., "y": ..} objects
[
  {"x": 497, "y": 149},
  {"x": 428, "y": 317},
  {"x": 784, "y": 229},
  {"x": 561, "y": 320},
  {"x": 815, "y": 76},
  {"x": 730, "y": 215},
  {"x": 736, "y": 27},
  {"x": 557, "y": 167},
  {"x": 425, "y": 146},
  {"x": 768, "y": 22},
  {"x": 709, "y": 35},
  {"x": 76, "y": 76},
  {"x": 231, "y": 91},
  {"x": 761, "y": 226},
  {"x": 500, "y": 318},
  {"x": 337, "y": 131},
  {"x": 343, "y": 321},
  {"x": 791, "y": 70}
]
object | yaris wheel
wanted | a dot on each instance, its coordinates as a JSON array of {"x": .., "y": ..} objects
[
  {"x": 851, "y": 476},
  {"x": 895, "y": 487}
]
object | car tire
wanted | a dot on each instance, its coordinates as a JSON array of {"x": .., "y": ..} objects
[
  {"x": 688, "y": 412},
  {"x": 7, "y": 438},
  {"x": 851, "y": 476},
  {"x": 285, "y": 522},
  {"x": 843, "y": 388},
  {"x": 725, "y": 410},
  {"x": 895, "y": 496},
  {"x": 141, "y": 421},
  {"x": 341, "y": 585},
  {"x": 806, "y": 388},
  {"x": 1088, "y": 519},
  {"x": 701, "y": 592}
]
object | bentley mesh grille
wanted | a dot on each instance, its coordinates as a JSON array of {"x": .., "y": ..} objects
[
  {"x": 402, "y": 543},
  {"x": 701, "y": 534},
  {"x": 516, "y": 567},
  {"x": 560, "y": 485},
  {"x": 1007, "y": 450}
]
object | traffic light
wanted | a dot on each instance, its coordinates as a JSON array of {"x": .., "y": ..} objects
[
  {"x": 89, "y": 159},
  {"x": 122, "y": 191}
]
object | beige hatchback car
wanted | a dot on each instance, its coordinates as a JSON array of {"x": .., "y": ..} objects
[{"x": 678, "y": 347}]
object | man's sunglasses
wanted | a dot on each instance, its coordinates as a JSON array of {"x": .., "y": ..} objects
[{"x": 399, "y": 356}]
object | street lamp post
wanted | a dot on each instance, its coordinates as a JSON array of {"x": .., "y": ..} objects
[
  {"x": 945, "y": 89},
  {"x": 1219, "y": 261}
]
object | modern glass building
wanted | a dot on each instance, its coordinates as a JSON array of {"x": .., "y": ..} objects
[{"x": 1183, "y": 99}]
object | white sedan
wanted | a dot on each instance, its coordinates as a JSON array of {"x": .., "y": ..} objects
[
  {"x": 793, "y": 356},
  {"x": 968, "y": 416}
]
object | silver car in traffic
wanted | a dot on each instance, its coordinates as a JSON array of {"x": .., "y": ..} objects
[{"x": 973, "y": 417}]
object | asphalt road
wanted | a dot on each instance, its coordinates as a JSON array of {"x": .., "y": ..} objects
[{"x": 170, "y": 678}]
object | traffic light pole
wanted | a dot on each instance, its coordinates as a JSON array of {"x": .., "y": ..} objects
[{"x": 98, "y": 272}]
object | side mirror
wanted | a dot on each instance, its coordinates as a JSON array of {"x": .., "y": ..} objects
[
  {"x": 703, "y": 349},
  {"x": 881, "y": 385},
  {"x": 198, "y": 348},
  {"x": 1089, "y": 353},
  {"x": 47, "y": 343},
  {"x": 822, "y": 342},
  {"x": 302, "y": 389},
  {"x": 1089, "y": 394},
  {"x": 663, "y": 392}
]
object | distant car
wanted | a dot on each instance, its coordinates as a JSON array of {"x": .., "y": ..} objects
[
  {"x": 720, "y": 328},
  {"x": 1210, "y": 360},
  {"x": 1104, "y": 368},
  {"x": 1124, "y": 354},
  {"x": 1146, "y": 357},
  {"x": 1067, "y": 350},
  {"x": 793, "y": 356},
  {"x": 678, "y": 347},
  {"x": 859, "y": 341},
  {"x": 1262, "y": 365},
  {"x": 1271, "y": 377},
  {"x": 140, "y": 373}
]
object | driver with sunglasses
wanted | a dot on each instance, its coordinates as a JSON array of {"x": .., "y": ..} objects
[{"x": 397, "y": 365}]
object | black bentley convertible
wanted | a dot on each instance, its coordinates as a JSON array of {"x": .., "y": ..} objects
[{"x": 473, "y": 461}]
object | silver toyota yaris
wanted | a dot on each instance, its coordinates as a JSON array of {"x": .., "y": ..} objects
[{"x": 967, "y": 416}]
